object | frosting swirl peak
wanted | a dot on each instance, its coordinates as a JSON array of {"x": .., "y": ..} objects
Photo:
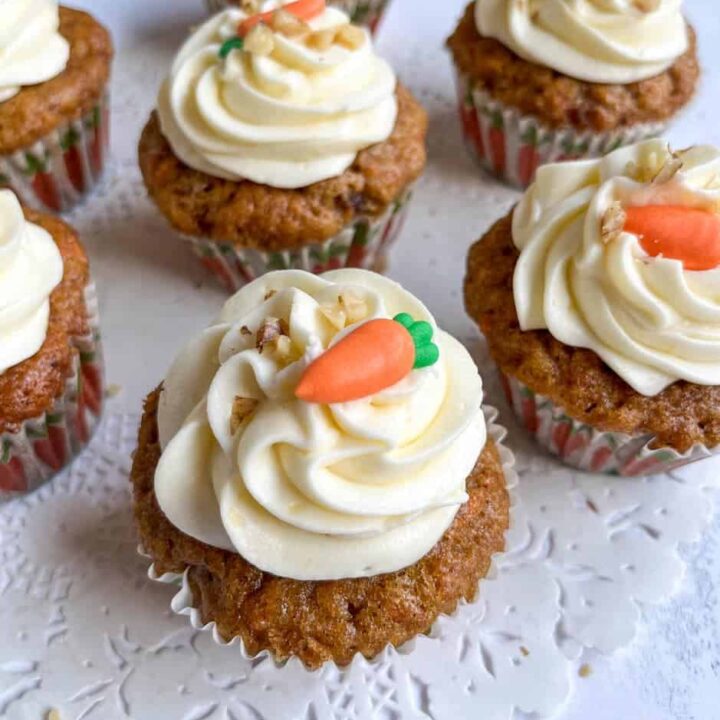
[
  {"x": 602, "y": 41},
  {"x": 30, "y": 268},
  {"x": 593, "y": 282},
  {"x": 31, "y": 47},
  {"x": 313, "y": 491},
  {"x": 284, "y": 111}
]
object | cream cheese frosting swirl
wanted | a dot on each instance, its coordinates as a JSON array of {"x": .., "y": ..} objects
[
  {"x": 288, "y": 119},
  {"x": 30, "y": 268},
  {"x": 310, "y": 491},
  {"x": 602, "y": 41},
  {"x": 649, "y": 318},
  {"x": 31, "y": 47}
]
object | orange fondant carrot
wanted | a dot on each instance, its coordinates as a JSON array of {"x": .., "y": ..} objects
[
  {"x": 678, "y": 233},
  {"x": 302, "y": 9},
  {"x": 375, "y": 356}
]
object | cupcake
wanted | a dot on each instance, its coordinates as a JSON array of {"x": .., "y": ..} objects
[
  {"x": 50, "y": 362},
  {"x": 541, "y": 81},
  {"x": 368, "y": 13},
  {"x": 318, "y": 464},
  {"x": 599, "y": 300},
  {"x": 54, "y": 112},
  {"x": 281, "y": 142}
]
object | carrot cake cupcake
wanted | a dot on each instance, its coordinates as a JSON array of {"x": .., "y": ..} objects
[
  {"x": 50, "y": 362},
  {"x": 599, "y": 300},
  {"x": 319, "y": 463},
  {"x": 282, "y": 141},
  {"x": 545, "y": 80},
  {"x": 54, "y": 73},
  {"x": 368, "y": 13}
]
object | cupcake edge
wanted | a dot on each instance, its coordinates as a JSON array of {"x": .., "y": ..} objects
[{"x": 184, "y": 603}]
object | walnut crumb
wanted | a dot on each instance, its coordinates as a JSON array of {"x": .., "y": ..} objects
[
  {"x": 322, "y": 39},
  {"x": 613, "y": 222},
  {"x": 271, "y": 329},
  {"x": 334, "y": 315},
  {"x": 269, "y": 294},
  {"x": 669, "y": 170},
  {"x": 524, "y": 651},
  {"x": 242, "y": 408},
  {"x": 259, "y": 41},
  {"x": 355, "y": 308},
  {"x": 245, "y": 330},
  {"x": 350, "y": 36},
  {"x": 585, "y": 671},
  {"x": 289, "y": 25}
]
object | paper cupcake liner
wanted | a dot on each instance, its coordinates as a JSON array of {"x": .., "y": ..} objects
[
  {"x": 362, "y": 12},
  {"x": 42, "y": 446},
  {"x": 363, "y": 244},
  {"x": 511, "y": 146},
  {"x": 183, "y": 602},
  {"x": 585, "y": 448},
  {"x": 57, "y": 172}
]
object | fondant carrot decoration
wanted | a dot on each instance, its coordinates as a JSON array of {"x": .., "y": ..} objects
[
  {"x": 677, "y": 233},
  {"x": 373, "y": 357},
  {"x": 301, "y": 9}
]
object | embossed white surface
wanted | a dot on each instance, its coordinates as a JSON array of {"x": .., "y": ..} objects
[{"x": 82, "y": 629}]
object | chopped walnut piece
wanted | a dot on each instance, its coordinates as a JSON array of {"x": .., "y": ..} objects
[
  {"x": 355, "y": 308},
  {"x": 242, "y": 408},
  {"x": 350, "y": 36},
  {"x": 283, "y": 348},
  {"x": 245, "y": 330},
  {"x": 289, "y": 25},
  {"x": 269, "y": 330},
  {"x": 613, "y": 222},
  {"x": 322, "y": 39},
  {"x": 259, "y": 41},
  {"x": 335, "y": 315},
  {"x": 251, "y": 7},
  {"x": 669, "y": 170},
  {"x": 647, "y": 6}
]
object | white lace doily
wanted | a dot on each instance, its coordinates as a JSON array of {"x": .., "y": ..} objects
[{"x": 84, "y": 631}]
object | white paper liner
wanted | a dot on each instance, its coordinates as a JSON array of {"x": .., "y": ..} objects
[
  {"x": 362, "y": 244},
  {"x": 581, "y": 446},
  {"x": 182, "y": 601},
  {"x": 60, "y": 170},
  {"x": 511, "y": 146},
  {"x": 44, "y": 445},
  {"x": 362, "y": 12}
]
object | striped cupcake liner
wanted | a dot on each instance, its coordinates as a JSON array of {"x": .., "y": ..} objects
[
  {"x": 368, "y": 13},
  {"x": 44, "y": 445},
  {"x": 57, "y": 172},
  {"x": 511, "y": 146},
  {"x": 362, "y": 244},
  {"x": 583, "y": 447}
]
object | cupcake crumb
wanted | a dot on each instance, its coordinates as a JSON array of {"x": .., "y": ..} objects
[
  {"x": 524, "y": 651},
  {"x": 53, "y": 714},
  {"x": 585, "y": 670}
]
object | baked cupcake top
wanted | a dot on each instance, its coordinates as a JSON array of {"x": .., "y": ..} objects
[
  {"x": 30, "y": 269},
  {"x": 31, "y": 47},
  {"x": 362, "y": 476},
  {"x": 601, "y": 41},
  {"x": 622, "y": 256},
  {"x": 282, "y": 94}
]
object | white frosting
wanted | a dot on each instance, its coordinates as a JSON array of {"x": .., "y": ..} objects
[
  {"x": 30, "y": 268},
  {"x": 308, "y": 491},
  {"x": 603, "y": 41},
  {"x": 289, "y": 119},
  {"x": 651, "y": 320},
  {"x": 31, "y": 47}
]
